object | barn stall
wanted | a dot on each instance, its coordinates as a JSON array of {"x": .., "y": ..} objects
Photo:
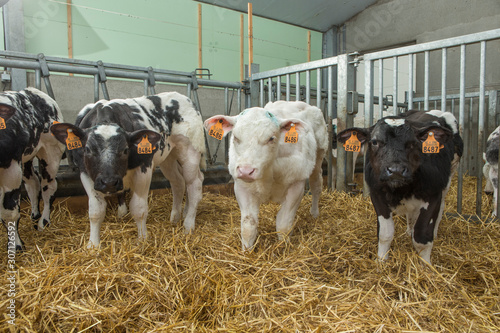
[{"x": 325, "y": 278}]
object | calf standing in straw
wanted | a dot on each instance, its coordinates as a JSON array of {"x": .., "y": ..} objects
[
  {"x": 272, "y": 152},
  {"x": 25, "y": 118}
]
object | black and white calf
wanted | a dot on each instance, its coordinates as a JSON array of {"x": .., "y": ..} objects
[
  {"x": 409, "y": 163},
  {"x": 268, "y": 163},
  {"x": 117, "y": 144},
  {"x": 26, "y": 117},
  {"x": 490, "y": 169}
]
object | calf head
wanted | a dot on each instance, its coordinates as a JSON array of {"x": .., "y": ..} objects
[
  {"x": 254, "y": 145},
  {"x": 105, "y": 151},
  {"x": 395, "y": 147}
]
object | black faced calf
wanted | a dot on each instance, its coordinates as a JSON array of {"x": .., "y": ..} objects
[{"x": 409, "y": 164}]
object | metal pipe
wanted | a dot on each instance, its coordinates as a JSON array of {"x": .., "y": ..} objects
[
  {"x": 426, "y": 81},
  {"x": 410, "y": 81},
  {"x": 261, "y": 93},
  {"x": 318, "y": 88},
  {"x": 461, "y": 119},
  {"x": 270, "y": 89},
  {"x": 278, "y": 88},
  {"x": 308, "y": 87},
  {"x": 297, "y": 86},
  {"x": 395, "y": 87},
  {"x": 380, "y": 91},
  {"x": 443, "y": 78},
  {"x": 288, "y": 87},
  {"x": 329, "y": 124}
]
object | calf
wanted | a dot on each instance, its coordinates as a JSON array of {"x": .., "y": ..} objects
[
  {"x": 24, "y": 134},
  {"x": 117, "y": 144},
  {"x": 269, "y": 163},
  {"x": 490, "y": 169},
  {"x": 409, "y": 163}
]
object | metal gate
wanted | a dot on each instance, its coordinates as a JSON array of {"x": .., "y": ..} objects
[{"x": 331, "y": 85}]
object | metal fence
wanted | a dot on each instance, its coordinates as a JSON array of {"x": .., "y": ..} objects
[
  {"x": 44, "y": 66},
  {"x": 336, "y": 83}
]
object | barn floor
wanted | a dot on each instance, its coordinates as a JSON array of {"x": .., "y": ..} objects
[{"x": 326, "y": 278}]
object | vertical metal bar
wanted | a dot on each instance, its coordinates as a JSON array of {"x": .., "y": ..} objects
[
  {"x": 380, "y": 92},
  {"x": 288, "y": 87},
  {"x": 297, "y": 86},
  {"x": 435, "y": 104},
  {"x": 38, "y": 79},
  {"x": 329, "y": 124},
  {"x": 443, "y": 78},
  {"x": 188, "y": 90},
  {"x": 368, "y": 107},
  {"x": 308, "y": 87},
  {"x": 426, "y": 81},
  {"x": 96, "y": 87},
  {"x": 261, "y": 93},
  {"x": 270, "y": 87},
  {"x": 481, "y": 131},
  {"x": 461, "y": 119},
  {"x": 278, "y": 88},
  {"x": 146, "y": 86},
  {"x": 395, "y": 82},
  {"x": 410, "y": 81},
  {"x": 318, "y": 88}
]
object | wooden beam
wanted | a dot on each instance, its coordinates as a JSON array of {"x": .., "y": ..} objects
[
  {"x": 250, "y": 39},
  {"x": 308, "y": 45}
]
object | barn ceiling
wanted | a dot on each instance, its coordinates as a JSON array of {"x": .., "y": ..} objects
[{"x": 318, "y": 15}]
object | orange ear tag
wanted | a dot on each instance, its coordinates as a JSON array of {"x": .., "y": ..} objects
[
  {"x": 292, "y": 136},
  {"x": 430, "y": 145},
  {"x": 72, "y": 141},
  {"x": 216, "y": 130},
  {"x": 2, "y": 124},
  {"x": 353, "y": 144},
  {"x": 144, "y": 147}
]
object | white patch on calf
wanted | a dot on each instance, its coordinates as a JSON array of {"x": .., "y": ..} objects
[
  {"x": 394, "y": 122},
  {"x": 448, "y": 118},
  {"x": 106, "y": 131},
  {"x": 385, "y": 236}
]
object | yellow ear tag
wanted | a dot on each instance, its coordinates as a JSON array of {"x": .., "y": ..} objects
[
  {"x": 216, "y": 130},
  {"x": 2, "y": 124},
  {"x": 72, "y": 141},
  {"x": 292, "y": 136},
  {"x": 353, "y": 144},
  {"x": 144, "y": 147},
  {"x": 431, "y": 145}
]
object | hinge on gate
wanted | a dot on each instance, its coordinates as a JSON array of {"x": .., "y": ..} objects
[{"x": 356, "y": 58}]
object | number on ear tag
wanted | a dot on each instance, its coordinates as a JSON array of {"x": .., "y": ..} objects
[
  {"x": 431, "y": 145},
  {"x": 292, "y": 136},
  {"x": 216, "y": 130},
  {"x": 2, "y": 124},
  {"x": 72, "y": 141},
  {"x": 353, "y": 144},
  {"x": 144, "y": 147}
]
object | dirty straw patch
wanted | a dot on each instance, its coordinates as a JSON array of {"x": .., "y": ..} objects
[{"x": 326, "y": 278}]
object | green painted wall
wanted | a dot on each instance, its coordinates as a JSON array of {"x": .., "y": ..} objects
[{"x": 162, "y": 34}]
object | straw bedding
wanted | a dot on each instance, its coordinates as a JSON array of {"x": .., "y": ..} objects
[{"x": 326, "y": 278}]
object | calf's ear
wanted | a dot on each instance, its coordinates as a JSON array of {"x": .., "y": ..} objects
[
  {"x": 152, "y": 136},
  {"x": 226, "y": 122},
  {"x": 362, "y": 133},
  {"x": 60, "y": 131},
  {"x": 286, "y": 124},
  {"x": 441, "y": 134},
  {"x": 6, "y": 111}
]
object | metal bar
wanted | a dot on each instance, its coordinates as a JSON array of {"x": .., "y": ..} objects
[
  {"x": 270, "y": 89},
  {"x": 410, "y": 81},
  {"x": 288, "y": 87},
  {"x": 380, "y": 91},
  {"x": 481, "y": 123},
  {"x": 96, "y": 87},
  {"x": 278, "y": 88},
  {"x": 308, "y": 87},
  {"x": 426, "y": 81},
  {"x": 318, "y": 88},
  {"x": 261, "y": 93},
  {"x": 443, "y": 78},
  {"x": 329, "y": 124},
  {"x": 449, "y": 42},
  {"x": 395, "y": 86},
  {"x": 38, "y": 79},
  {"x": 368, "y": 109},
  {"x": 461, "y": 119},
  {"x": 322, "y": 63},
  {"x": 297, "y": 86}
]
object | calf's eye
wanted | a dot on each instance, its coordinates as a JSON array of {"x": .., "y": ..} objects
[
  {"x": 271, "y": 139},
  {"x": 374, "y": 142}
]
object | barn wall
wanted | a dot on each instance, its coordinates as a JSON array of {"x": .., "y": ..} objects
[{"x": 391, "y": 23}]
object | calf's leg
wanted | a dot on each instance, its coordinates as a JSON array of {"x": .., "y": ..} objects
[
  {"x": 249, "y": 207},
  {"x": 289, "y": 206},
  {"x": 97, "y": 210}
]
